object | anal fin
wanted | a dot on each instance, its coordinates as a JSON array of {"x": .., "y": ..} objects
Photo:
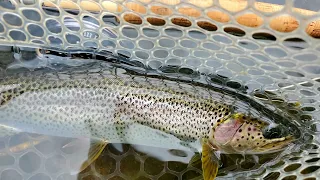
[
  {"x": 95, "y": 150},
  {"x": 210, "y": 163},
  {"x": 195, "y": 161}
]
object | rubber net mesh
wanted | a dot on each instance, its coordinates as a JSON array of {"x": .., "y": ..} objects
[{"x": 261, "y": 44}]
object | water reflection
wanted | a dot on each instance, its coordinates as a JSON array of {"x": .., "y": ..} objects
[{"x": 25, "y": 156}]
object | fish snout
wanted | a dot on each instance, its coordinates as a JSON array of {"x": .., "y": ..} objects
[{"x": 257, "y": 137}]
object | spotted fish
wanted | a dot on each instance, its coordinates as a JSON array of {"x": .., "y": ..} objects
[
  {"x": 241, "y": 134},
  {"x": 137, "y": 110}
]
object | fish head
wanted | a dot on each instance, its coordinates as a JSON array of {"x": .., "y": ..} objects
[{"x": 242, "y": 134}]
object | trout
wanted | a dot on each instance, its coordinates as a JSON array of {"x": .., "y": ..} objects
[{"x": 133, "y": 109}]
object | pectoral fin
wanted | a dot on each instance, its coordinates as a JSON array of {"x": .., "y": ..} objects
[
  {"x": 8, "y": 131},
  {"x": 210, "y": 163},
  {"x": 96, "y": 148}
]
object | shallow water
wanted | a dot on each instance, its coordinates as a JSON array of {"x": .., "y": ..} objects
[
  {"x": 56, "y": 157},
  {"x": 38, "y": 157},
  {"x": 31, "y": 156}
]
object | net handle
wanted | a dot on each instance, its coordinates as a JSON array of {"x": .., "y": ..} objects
[{"x": 282, "y": 24}]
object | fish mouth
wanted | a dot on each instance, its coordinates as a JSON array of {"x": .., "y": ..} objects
[{"x": 276, "y": 145}]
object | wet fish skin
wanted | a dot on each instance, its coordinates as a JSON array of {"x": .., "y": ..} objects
[
  {"x": 113, "y": 109},
  {"x": 129, "y": 109},
  {"x": 123, "y": 110}
]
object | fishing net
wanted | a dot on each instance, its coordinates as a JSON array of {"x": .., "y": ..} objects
[{"x": 257, "y": 44}]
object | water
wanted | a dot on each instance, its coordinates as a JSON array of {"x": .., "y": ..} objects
[
  {"x": 57, "y": 157},
  {"x": 34, "y": 156}
]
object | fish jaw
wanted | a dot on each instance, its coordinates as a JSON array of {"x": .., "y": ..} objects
[
  {"x": 273, "y": 145},
  {"x": 241, "y": 134}
]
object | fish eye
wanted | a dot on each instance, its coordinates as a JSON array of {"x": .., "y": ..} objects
[{"x": 274, "y": 132}]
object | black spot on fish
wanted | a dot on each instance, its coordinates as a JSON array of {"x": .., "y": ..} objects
[
  {"x": 240, "y": 130},
  {"x": 252, "y": 137},
  {"x": 249, "y": 129},
  {"x": 242, "y": 137}
]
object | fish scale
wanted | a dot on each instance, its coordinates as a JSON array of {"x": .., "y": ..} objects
[
  {"x": 183, "y": 114},
  {"x": 119, "y": 110}
]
